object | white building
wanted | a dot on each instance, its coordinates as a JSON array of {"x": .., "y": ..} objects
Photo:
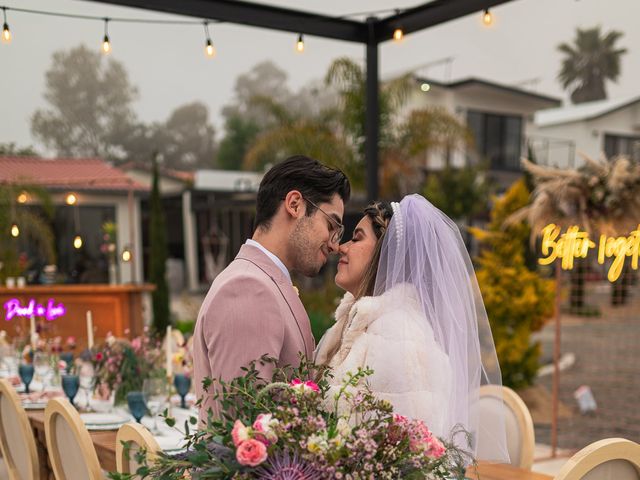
[
  {"x": 606, "y": 127},
  {"x": 499, "y": 116}
]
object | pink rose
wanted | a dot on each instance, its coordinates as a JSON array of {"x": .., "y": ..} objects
[
  {"x": 436, "y": 448},
  {"x": 240, "y": 433},
  {"x": 136, "y": 343},
  {"x": 303, "y": 387},
  {"x": 251, "y": 453},
  {"x": 263, "y": 427}
]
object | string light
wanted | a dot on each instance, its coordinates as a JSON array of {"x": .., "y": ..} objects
[
  {"x": 398, "y": 34},
  {"x": 425, "y": 87},
  {"x": 300, "y": 43},
  {"x": 126, "y": 254},
  {"x": 106, "y": 43},
  {"x": 15, "y": 231},
  {"x": 487, "y": 17},
  {"x": 209, "y": 49},
  {"x": 71, "y": 199},
  {"x": 77, "y": 242},
  {"x": 23, "y": 197},
  {"x": 6, "y": 33}
]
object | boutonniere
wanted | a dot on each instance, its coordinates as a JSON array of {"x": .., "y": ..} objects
[{"x": 295, "y": 289}]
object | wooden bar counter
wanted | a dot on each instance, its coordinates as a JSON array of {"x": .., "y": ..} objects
[{"x": 62, "y": 309}]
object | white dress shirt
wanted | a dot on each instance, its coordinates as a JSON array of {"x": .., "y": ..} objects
[{"x": 273, "y": 258}]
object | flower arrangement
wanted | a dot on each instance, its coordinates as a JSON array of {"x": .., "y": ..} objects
[
  {"x": 302, "y": 429},
  {"x": 122, "y": 366}
]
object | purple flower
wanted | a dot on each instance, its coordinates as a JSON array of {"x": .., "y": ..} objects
[{"x": 287, "y": 466}]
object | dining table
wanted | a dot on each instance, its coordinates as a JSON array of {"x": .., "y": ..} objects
[{"x": 105, "y": 445}]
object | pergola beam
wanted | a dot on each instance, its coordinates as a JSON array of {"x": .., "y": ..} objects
[
  {"x": 256, "y": 15},
  {"x": 430, "y": 14}
]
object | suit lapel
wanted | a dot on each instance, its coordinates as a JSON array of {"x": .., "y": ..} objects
[{"x": 258, "y": 258}]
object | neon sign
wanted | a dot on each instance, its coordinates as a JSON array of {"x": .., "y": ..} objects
[
  {"x": 50, "y": 311},
  {"x": 576, "y": 244}
]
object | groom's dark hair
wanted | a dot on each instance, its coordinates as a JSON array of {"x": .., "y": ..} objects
[{"x": 315, "y": 181}]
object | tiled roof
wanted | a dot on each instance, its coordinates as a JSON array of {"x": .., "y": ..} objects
[{"x": 66, "y": 173}]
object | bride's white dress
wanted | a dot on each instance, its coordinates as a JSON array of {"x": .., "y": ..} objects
[{"x": 389, "y": 334}]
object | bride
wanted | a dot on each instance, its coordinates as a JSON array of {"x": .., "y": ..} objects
[{"x": 413, "y": 313}]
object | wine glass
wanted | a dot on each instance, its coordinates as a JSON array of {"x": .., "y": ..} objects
[
  {"x": 137, "y": 407},
  {"x": 70, "y": 384},
  {"x": 87, "y": 381},
  {"x": 42, "y": 365},
  {"x": 156, "y": 393},
  {"x": 25, "y": 370},
  {"x": 67, "y": 357},
  {"x": 182, "y": 383},
  {"x": 9, "y": 359}
]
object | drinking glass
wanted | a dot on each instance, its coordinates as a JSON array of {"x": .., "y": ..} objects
[
  {"x": 70, "y": 385},
  {"x": 182, "y": 384},
  {"x": 156, "y": 393},
  {"x": 87, "y": 382},
  {"x": 137, "y": 407},
  {"x": 25, "y": 370},
  {"x": 42, "y": 365},
  {"x": 68, "y": 359}
]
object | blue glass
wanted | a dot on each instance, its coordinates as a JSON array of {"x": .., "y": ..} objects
[
  {"x": 137, "y": 405},
  {"x": 70, "y": 385},
  {"x": 68, "y": 358},
  {"x": 25, "y": 371},
  {"x": 182, "y": 384}
]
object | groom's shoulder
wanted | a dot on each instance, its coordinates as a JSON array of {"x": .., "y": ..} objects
[{"x": 241, "y": 278}]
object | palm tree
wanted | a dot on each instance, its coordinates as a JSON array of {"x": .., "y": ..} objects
[
  {"x": 33, "y": 228},
  {"x": 589, "y": 62}
]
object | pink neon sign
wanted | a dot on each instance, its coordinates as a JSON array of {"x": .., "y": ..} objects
[{"x": 50, "y": 311}]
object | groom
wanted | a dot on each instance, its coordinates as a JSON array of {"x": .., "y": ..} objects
[{"x": 252, "y": 308}]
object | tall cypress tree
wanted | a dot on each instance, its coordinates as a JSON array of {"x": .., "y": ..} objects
[{"x": 158, "y": 257}]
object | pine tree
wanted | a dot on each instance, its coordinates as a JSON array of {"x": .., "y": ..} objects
[
  {"x": 518, "y": 300},
  {"x": 158, "y": 257}
]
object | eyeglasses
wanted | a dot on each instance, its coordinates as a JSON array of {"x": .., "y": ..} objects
[{"x": 337, "y": 228}]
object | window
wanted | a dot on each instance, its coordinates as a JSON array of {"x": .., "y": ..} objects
[
  {"x": 615, "y": 145},
  {"x": 498, "y": 138}
]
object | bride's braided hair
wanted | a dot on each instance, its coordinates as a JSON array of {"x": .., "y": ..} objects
[{"x": 380, "y": 214}]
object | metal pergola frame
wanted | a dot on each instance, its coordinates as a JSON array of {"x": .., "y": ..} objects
[{"x": 370, "y": 33}]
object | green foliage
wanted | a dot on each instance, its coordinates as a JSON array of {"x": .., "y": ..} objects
[
  {"x": 461, "y": 193},
  {"x": 240, "y": 133},
  {"x": 590, "y": 61},
  {"x": 518, "y": 300},
  {"x": 12, "y": 150},
  {"x": 158, "y": 257},
  {"x": 321, "y": 305},
  {"x": 90, "y": 101},
  {"x": 35, "y": 229}
]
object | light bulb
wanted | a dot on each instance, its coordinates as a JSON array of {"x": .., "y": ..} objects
[
  {"x": 6, "y": 33},
  {"x": 106, "y": 45},
  {"x": 300, "y": 44},
  {"x": 77, "y": 242},
  {"x": 71, "y": 199},
  {"x": 398, "y": 34},
  {"x": 425, "y": 87},
  {"x": 15, "y": 231},
  {"x": 23, "y": 197},
  {"x": 209, "y": 49},
  {"x": 126, "y": 255},
  {"x": 487, "y": 17}
]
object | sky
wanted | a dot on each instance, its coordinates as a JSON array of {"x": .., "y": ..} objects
[{"x": 168, "y": 65}]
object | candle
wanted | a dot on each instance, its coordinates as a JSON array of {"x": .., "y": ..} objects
[
  {"x": 169, "y": 359},
  {"x": 89, "y": 330},
  {"x": 32, "y": 331}
]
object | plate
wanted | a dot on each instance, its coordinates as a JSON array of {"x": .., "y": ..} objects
[
  {"x": 103, "y": 421},
  {"x": 38, "y": 405}
]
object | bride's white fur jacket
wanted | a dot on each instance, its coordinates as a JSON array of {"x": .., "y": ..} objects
[{"x": 390, "y": 335}]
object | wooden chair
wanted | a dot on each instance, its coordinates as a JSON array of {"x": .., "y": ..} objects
[
  {"x": 608, "y": 459},
  {"x": 518, "y": 423},
  {"x": 18, "y": 445},
  {"x": 139, "y": 437},
  {"x": 71, "y": 451}
]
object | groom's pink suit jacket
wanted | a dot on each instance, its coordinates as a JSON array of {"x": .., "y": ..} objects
[{"x": 250, "y": 310}]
